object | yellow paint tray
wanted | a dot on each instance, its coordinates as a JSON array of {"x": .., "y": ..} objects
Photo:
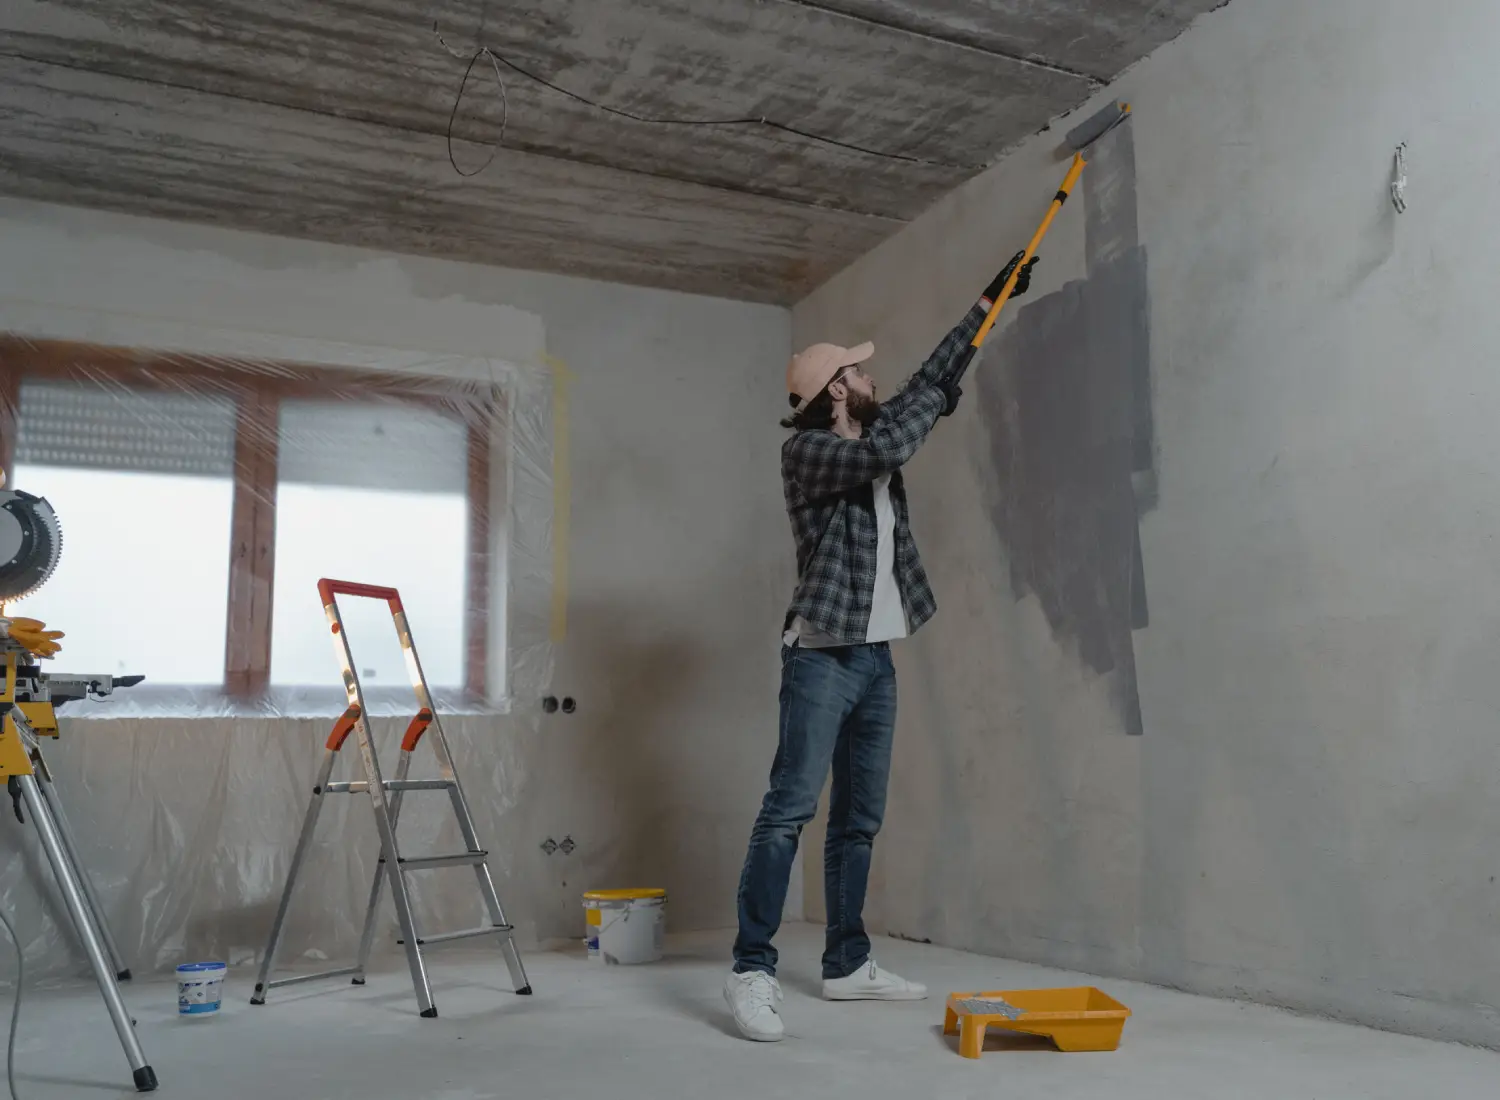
[{"x": 1078, "y": 1019}]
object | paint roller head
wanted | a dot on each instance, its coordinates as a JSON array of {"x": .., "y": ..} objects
[{"x": 1091, "y": 129}]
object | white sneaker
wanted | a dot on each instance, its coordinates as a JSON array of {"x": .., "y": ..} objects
[
  {"x": 870, "y": 983},
  {"x": 753, "y": 998}
]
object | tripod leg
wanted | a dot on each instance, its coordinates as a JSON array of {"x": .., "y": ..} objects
[
  {"x": 41, "y": 815},
  {"x": 70, "y": 846}
]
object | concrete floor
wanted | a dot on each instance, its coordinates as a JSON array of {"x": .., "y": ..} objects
[{"x": 662, "y": 1031}]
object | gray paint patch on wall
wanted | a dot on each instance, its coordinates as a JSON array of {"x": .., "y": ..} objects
[
  {"x": 1111, "y": 233},
  {"x": 1071, "y": 438}
]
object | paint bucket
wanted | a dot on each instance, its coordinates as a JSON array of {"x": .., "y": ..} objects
[
  {"x": 199, "y": 988},
  {"x": 625, "y": 927}
]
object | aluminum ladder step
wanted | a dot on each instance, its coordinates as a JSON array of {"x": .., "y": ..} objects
[
  {"x": 361, "y": 786},
  {"x": 467, "y": 934},
  {"x": 428, "y": 863}
]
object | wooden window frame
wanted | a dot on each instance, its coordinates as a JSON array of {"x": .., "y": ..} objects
[{"x": 258, "y": 387}]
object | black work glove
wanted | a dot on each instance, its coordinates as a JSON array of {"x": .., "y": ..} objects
[{"x": 1023, "y": 281}]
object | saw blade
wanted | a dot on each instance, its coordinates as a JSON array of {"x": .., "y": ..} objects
[{"x": 33, "y": 542}]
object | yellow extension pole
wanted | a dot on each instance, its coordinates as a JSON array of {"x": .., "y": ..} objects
[{"x": 1069, "y": 182}]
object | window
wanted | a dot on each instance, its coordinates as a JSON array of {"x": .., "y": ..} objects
[
  {"x": 201, "y": 503},
  {"x": 144, "y": 598},
  {"x": 374, "y": 492},
  {"x": 143, "y": 488}
]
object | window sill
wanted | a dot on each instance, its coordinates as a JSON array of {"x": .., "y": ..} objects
[{"x": 313, "y": 702}]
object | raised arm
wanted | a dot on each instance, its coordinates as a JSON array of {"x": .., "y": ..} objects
[
  {"x": 942, "y": 365},
  {"x": 822, "y": 463}
]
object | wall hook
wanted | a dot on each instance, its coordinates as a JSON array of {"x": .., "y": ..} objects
[{"x": 1398, "y": 184}]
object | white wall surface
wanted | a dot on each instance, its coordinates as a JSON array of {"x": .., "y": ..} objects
[
  {"x": 1310, "y": 816},
  {"x": 679, "y": 568}
]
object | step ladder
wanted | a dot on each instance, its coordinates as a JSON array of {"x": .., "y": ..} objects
[{"x": 386, "y": 796}]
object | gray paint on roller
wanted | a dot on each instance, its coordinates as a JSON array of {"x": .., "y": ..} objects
[{"x": 1070, "y": 438}]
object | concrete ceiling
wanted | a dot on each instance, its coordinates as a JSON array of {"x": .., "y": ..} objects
[{"x": 326, "y": 120}]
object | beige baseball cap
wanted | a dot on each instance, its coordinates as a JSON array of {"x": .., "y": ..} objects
[{"x": 813, "y": 368}]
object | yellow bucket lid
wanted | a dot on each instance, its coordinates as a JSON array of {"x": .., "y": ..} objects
[{"x": 623, "y": 895}]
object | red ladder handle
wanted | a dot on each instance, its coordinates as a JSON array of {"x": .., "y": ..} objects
[
  {"x": 414, "y": 731},
  {"x": 328, "y": 589},
  {"x": 342, "y": 727}
]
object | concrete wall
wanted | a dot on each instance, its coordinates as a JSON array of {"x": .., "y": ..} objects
[
  {"x": 679, "y": 565},
  {"x": 1238, "y": 351}
]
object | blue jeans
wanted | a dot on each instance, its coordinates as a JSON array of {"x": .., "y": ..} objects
[{"x": 838, "y": 710}]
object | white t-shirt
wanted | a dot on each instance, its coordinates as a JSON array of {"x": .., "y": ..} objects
[{"x": 887, "y": 615}]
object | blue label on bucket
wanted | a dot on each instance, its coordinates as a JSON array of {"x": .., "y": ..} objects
[{"x": 199, "y": 987}]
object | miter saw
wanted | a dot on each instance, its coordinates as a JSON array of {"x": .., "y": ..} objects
[
  {"x": 30, "y": 543},
  {"x": 30, "y": 549}
]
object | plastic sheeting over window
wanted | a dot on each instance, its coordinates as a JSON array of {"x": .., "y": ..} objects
[{"x": 201, "y": 499}]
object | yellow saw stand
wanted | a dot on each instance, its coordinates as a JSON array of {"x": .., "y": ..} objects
[{"x": 26, "y": 703}]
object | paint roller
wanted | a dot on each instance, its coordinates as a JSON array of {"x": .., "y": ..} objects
[{"x": 1078, "y": 140}]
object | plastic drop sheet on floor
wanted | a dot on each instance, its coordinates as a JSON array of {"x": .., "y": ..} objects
[{"x": 200, "y": 499}]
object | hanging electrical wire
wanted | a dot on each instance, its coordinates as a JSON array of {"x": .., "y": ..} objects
[
  {"x": 497, "y": 59},
  {"x": 483, "y": 51}
]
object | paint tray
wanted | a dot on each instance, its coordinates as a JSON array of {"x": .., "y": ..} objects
[{"x": 1078, "y": 1019}]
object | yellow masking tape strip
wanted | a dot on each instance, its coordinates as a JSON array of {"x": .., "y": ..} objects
[{"x": 562, "y": 495}]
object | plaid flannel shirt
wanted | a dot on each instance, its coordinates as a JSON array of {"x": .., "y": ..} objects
[{"x": 830, "y": 499}]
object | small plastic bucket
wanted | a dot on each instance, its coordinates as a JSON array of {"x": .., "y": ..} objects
[
  {"x": 200, "y": 988},
  {"x": 625, "y": 927}
]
